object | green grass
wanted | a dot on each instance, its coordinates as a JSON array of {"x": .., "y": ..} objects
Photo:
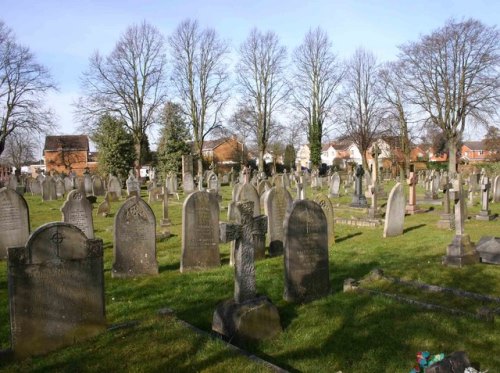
[{"x": 344, "y": 331}]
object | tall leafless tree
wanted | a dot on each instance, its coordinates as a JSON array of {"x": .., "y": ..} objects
[
  {"x": 453, "y": 75},
  {"x": 361, "y": 111},
  {"x": 20, "y": 149},
  {"x": 316, "y": 77},
  {"x": 23, "y": 86},
  {"x": 392, "y": 90},
  {"x": 200, "y": 76},
  {"x": 130, "y": 83},
  {"x": 262, "y": 83}
]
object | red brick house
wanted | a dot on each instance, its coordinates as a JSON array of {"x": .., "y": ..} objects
[
  {"x": 474, "y": 152},
  {"x": 225, "y": 152},
  {"x": 67, "y": 153}
]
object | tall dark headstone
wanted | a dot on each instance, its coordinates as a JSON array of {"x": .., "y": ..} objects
[
  {"x": 306, "y": 253},
  {"x": 359, "y": 199},
  {"x": 14, "y": 220},
  {"x": 134, "y": 240},
  {"x": 56, "y": 290}
]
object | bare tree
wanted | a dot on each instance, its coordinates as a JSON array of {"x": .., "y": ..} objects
[
  {"x": 317, "y": 75},
  {"x": 23, "y": 85},
  {"x": 361, "y": 113},
  {"x": 453, "y": 75},
  {"x": 20, "y": 149},
  {"x": 262, "y": 83},
  {"x": 392, "y": 90},
  {"x": 200, "y": 76},
  {"x": 129, "y": 83}
]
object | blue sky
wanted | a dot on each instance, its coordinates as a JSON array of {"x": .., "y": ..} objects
[{"x": 63, "y": 34}]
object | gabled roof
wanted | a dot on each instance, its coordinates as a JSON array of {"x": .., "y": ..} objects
[
  {"x": 474, "y": 145},
  {"x": 337, "y": 145},
  {"x": 212, "y": 144},
  {"x": 66, "y": 142}
]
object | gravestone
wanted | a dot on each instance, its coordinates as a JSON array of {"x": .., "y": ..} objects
[
  {"x": 49, "y": 189},
  {"x": 306, "y": 253},
  {"x": 14, "y": 220},
  {"x": 133, "y": 187},
  {"x": 56, "y": 290},
  {"x": 187, "y": 183},
  {"x": 87, "y": 183},
  {"x": 335, "y": 185},
  {"x": 395, "y": 212},
  {"x": 461, "y": 251},
  {"x": 485, "y": 213},
  {"x": 134, "y": 240},
  {"x": 165, "y": 221},
  {"x": 277, "y": 202},
  {"x": 412, "y": 207},
  {"x": 263, "y": 186},
  {"x": 247, "y": 192},
  {"x": 446, "y": 220},
  {"x": 200, "y": 231},
  {"x": 69, "y": 184},
  {"x": 12, "y": 182},
  {"x": 114, "y": 188},
  {"x": 97, "y": 186},
  {"x": 489, "y": 249},
  {"x": 59, "y": 188},
  {"x": 77, "y": 210},
  {"x": 246, "y": 317},
  {"x": 36, "y": 187},
  {"x": 104, "y": 207},
  {"x": 327, "y": 207},
  {"x": 358, "y": 198},
  {"x": 496, "y": 189},
  {"x": 213, "y": 183}
]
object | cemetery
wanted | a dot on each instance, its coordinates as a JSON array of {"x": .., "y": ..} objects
[{"x": 322, "y": 292}]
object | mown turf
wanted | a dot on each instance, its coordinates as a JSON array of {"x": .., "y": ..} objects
[{"x": 344, "y": 331}]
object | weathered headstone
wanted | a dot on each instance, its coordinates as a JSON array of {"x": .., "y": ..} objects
[
  {"x": 496, "y": 189},
  {"x": 77, "y": 210},
  {"x": 49, "y": 189},
  {"x": 246, "y": 317},
  {"x": 485, "y": 213},
  {"x": 358, "y": 198},
  {"x": 489, "y": 249},
  {"x": 69, "y": 184},
  {"x": 395, "y": 212},
  {"x": 87, "y": 183},
  {"x": 247, "y": 192},
  {"x": 277, "y": 202},
  {"x": 200, "y": 231},
  {"x": 461, "y": 251},
  {"x": 306, "y": 253},
  {"x": 446, "y": 220},
  {"x": 56, "y": 290},
  {"x": 14, "y": 220},
  {"x": 59, "y": 188},
  {"x": 327, "y": 207},
  {"x": 188, "y": 183},
  {"x": 134, "y": 240},
  {"x": 104, "y": 207},
  {"x": 412, "y": 207},
  {"x": 133, "y": 187},
  {"x": 335, "y": 185},
  {"x": 97, "y": 186},
  {"x": 114, "y": 188},
  {"x": 36, "y": 187}
]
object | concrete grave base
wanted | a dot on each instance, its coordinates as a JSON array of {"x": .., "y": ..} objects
[
  {"x": 485, "y": 216},
  {"x": 489, "y": 249},
  {"x": 461, "y": 252},
  {"x": 413, "y": 209},
  {"x": 253, "y": 320},
  {"x": 446, "y": 221}
]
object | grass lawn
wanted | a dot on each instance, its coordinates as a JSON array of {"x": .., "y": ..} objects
[{"x": 351, "y": 332}]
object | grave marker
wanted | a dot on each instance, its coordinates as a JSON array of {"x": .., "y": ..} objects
[
  {"x": 77, "y": 210},
  {"x": 14, "y": 220}
]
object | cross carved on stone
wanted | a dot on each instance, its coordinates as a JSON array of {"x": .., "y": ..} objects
[{"x": 243, "y": 233}]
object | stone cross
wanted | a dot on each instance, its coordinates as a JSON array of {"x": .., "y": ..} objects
[
  {"x": 375, "y": 153},
  {"x": 165, "y": 221},
  {"x": 412, "y": 181},
  {"x": 446, "y": 185},
  {"x": 372, "y": 211},
  {"x": 484, "y": 214},
  {"x": 456, "y": 195},
  {"x": 243, "y": 233}
]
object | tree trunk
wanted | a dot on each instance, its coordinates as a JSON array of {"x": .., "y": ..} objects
[
  {"x": 364, "y": 162},
  {"x": 138, "y": 155},
  {"x": 2, "y": 145},
  {"x": 200, "y": 168},
  {"x": 261, "y": 160},
  {"x": 452, "y": 157}
]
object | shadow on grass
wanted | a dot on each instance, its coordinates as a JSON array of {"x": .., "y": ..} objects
[
  {"x": 169, "y": 267},
  {"x": 409, "y": 229},
  {"x": 341, "y": 239}
]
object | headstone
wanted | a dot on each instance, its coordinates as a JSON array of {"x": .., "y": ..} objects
[
  {"x": 56, "y": 290},
  {"x": 395, "y": 212},
  {"x": 461, "y": 251},
  {"x": 200, "y": 231},
  {"x": 59, "y": 188},
  {"x": 87, "y": 183},
  {"x": 36, "y": 187},
  {"x": 246, "y": 317},
  {"x": 165, "y": 221},
  {"x": 12, "y": 183},
  {"x": 213, "y": 183},
  {"x": 247, "y": 192},
  {"x": 489, "y": 249},
  {"x": 412, "y": 207},
  {"x": 104, "y": 207},
  {"x": 187, "y": 183},
  {"x": 114, "y": 188},
  {"x": 446, "y": 220},
  {"x": 263, "y": 186},
  {"x": 49, "y": 189},
  {"x": 97, "y": 186},
  {"x": 335, "y": 185},
  {"x": 277, "y": 202},
  {"x": 133, "y": 187},
  {"x": 14, "y": 220},
  {"x": 327, "y": 207},
  {"x": 485, "y": 213},
  {"x": 359, "y": 199},
  {"x": 134, "y": 240},
  {"x": 306, "y": 253},
  {"x": 496, "y": 189},
  {"x": 69, "y": 184},
  {"x": 77, "y": 210}
]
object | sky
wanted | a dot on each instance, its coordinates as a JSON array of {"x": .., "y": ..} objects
[{"x": 63, "y": 34}]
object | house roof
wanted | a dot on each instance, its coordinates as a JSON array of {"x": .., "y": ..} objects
[
  {"x": 66, "y": 142},
  {"x": 337, "y": 145},
  {"x": 474, "y": 145}
]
